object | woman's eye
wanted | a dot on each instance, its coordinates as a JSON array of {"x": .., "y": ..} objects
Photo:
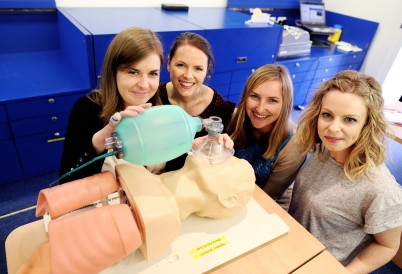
[
  {"x": 253, "y": 96},
  {"x": 326, "y": 115},
  {"x": 133, "y": 72},
  {"x": 199, "y": 69},
  {"x": 179, "y": 65},
  {"x": 155, "y": 73},
  {"x": 350, "y": 120}
]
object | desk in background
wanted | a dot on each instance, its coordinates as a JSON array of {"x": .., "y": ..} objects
[
  {"x": 293, "y": 251},
  {"x": 396, "y": 129}
]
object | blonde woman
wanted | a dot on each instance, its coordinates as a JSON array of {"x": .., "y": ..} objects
[
  {"x": 345, "y": 195},
  {"x": 261, "y": 130}
]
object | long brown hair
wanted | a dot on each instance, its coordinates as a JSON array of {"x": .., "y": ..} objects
[
  {"x": 369, "y": 149},
  {"x": 127, "y": 47},
  {"x": 240, "y": 127}
]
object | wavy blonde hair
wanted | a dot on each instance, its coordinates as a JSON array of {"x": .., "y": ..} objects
[
  {"x": 240, "y": 127},
  {"x": 369, "y": 149}
]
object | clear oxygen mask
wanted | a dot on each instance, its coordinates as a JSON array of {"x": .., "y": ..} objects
[{"x": 210, "y": 150}]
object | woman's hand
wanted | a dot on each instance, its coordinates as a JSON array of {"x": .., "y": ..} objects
[
  {"x": 98, "y": 140},
  {"x": 222, "y": 139},
  {"x": 132, "y": 111}
]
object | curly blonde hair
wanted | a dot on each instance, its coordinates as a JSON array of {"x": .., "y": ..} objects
[{"x": 369, "y": 149}]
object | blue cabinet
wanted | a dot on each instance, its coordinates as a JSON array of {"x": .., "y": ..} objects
[
  {"x": 103, "y": 24},
  {"x": 44, "y": 68},
  {"x": 234, "y": 43},
  {"x": 302, "y": 72}
]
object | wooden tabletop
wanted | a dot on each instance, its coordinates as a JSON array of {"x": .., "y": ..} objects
[
  {"x": 282, "y": 255},
  {"x": 322, "y": 263}
]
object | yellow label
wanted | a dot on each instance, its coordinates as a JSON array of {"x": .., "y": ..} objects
[{"x": 208, "y": 248}]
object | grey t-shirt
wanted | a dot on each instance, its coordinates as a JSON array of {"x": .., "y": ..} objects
[{"x": 343, "y": 214}]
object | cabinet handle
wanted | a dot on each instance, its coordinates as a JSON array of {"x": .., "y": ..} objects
[
  {"x": 57, "y": 138},
  {"x": 330, "y": 59},
  {"x": 50, "y": 101},
  {"x": 242, "y": 59},
  {"x": 293, "y": 76},
  {"x": 54, "y": 119},
  {"x": 297, "y": 65},
  {"x": 252, "y": 70}
]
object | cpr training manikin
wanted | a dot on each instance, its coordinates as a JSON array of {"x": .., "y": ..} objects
[{"x": 91, "y": 240}]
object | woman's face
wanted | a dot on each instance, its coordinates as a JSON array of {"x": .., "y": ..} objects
[
  {"x": 139, "y": 82},
  {"x": 264, "y": 105},
  {"x": 340, "y": 123},
  {"x": 188, "y": 69}
]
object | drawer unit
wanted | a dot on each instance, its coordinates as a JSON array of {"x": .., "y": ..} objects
[
  {"x": 38, "y": 127},
  {"x": 4, "y": 128},
  {"x": 221, "y": 83},
  {"x": 330, "y": 61},
  {"x": 10, "y": 168},
  {"x": 296, "y": 65},
  {"x": 301, "y": 90},
  {"x": 5, "y": 132},
  {"x": 326, "y": 73},
  {"x": 3, "y": 117},
  {"x": 40, "y": 107},
  {"x": 239, "y": 79},
  {"x": 26, "y": 127},
  {"x": 302, "y": 72},
  {"x": 41, "y": 152}
]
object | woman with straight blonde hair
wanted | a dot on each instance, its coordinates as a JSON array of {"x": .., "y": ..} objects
[
  {"x": 345, "y": 195},
  {"x": 262, "y": 131}
]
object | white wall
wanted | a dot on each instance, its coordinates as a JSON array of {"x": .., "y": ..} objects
[{"x": 387, "y": 41}]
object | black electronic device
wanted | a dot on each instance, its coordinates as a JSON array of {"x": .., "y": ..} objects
[
  {"x": 312, "y": 17},
  {"x": 175, "y": 7}
]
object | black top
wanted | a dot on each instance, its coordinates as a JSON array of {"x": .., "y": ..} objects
[
  {"x": 218, "y": 107},
  {"x": 83, "y": 123}
]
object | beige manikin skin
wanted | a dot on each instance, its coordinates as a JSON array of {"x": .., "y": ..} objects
[
  {"x": 214, "y": 191},
  {"x": 159, "y": 203}
]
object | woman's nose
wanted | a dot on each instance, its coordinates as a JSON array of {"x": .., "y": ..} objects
[
  {"x": 143, "y": 82},
  {"x": 188, "y": 73},
  {"x": 260, "y": 107},
  {"x": 335, "y": 126}
]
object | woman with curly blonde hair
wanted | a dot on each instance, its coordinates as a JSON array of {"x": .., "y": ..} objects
[{"x": 345, "y": 195}]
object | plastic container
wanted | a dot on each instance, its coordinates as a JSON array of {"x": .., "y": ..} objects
[
  {"x": 159, "y": 134},
  {"x": 337, "y": 35}
]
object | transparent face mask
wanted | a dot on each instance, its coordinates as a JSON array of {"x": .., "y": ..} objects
[{"x": 210, "y": 150}]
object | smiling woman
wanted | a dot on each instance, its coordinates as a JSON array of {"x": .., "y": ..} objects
[
  {"x": 345, "y": 195},
  {"x": 261, "y": 130},
  {"x": 190, "y": 63},
  {"x": 129, "y": 83}
]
